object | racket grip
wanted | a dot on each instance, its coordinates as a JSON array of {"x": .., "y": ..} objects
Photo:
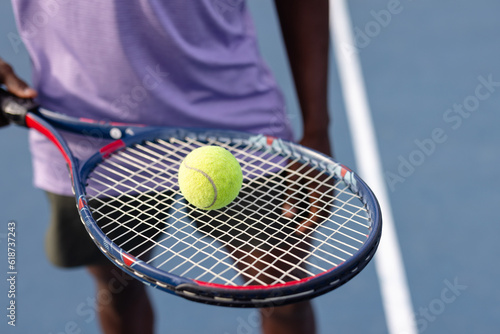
[{"x": 14, "y": 109}]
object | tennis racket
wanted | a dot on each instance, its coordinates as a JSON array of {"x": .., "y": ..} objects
[{"x": 302, "y": 224}]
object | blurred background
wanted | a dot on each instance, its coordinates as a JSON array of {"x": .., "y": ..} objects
[{"x": 432, "y": 75}]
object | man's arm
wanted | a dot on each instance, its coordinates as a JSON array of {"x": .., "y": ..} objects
[{"x": 305, "y": 29}]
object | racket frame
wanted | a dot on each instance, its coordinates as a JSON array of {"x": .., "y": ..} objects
[
  {"x": 223, "y": 295},
  {"x": 44, "y": 121}
]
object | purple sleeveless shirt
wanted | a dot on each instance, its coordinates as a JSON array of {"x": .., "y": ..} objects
[{"x": 158, "y": 62}]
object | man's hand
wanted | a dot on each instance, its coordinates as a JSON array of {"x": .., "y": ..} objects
[
  {"x": 317, "y": 140},
  {"x": 14, "y": 85},
  {"x": 313, "y": 209},
  {"x": 309, "y": 195}
]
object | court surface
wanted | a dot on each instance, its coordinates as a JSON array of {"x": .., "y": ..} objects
[{"x": 432, "y": 78}]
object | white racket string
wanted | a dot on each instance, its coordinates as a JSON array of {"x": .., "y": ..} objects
[{"x": 254, "y": 241}]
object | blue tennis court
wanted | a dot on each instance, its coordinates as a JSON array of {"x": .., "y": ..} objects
[{"x": 432, "y": 79}]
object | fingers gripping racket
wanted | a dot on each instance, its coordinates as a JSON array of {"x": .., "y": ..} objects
[{"x": 302, "y": 224}]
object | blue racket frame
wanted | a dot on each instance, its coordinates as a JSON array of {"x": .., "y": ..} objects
[{"x": 247, "y": 296}]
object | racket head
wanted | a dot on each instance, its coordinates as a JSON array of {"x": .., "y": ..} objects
[
  {"x": 292, "y": 171},
  {"x": 188, "y": 256}
]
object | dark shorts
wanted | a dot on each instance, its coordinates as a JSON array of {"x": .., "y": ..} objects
[{"x": 68, "y": 243}]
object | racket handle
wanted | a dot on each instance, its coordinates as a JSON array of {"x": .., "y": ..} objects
[{"x": 14, "y": 109}]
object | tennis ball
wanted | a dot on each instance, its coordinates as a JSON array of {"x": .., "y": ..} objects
[{"x": 210, "y": 177}]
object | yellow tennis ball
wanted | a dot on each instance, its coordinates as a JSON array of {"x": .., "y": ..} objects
[{"x": 210, "y": 177}]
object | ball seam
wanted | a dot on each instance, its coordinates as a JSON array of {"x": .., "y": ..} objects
[{"x": 208, "y": 178}]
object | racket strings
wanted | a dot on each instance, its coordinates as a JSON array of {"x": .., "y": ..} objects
[{"x": 253, "y": 241}]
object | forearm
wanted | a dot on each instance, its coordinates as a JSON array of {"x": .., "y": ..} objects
[{"x": 305, "y": 28}]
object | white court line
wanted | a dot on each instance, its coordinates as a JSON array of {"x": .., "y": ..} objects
[{"x": 388, "y": 260}]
